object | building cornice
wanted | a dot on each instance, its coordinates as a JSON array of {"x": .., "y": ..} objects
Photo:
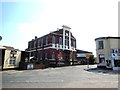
[{"x": 107, "y": 38}]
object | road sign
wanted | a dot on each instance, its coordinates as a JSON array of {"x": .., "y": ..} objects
[{"x": 88, "y": 56}]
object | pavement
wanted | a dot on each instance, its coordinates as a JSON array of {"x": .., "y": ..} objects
[{"x": 61, "y": 77}]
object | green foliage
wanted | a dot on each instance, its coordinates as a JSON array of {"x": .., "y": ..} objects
[{"x": 91, "y": 59}]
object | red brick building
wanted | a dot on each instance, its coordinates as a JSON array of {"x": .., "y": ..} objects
[{"x": 58, "y": 47}]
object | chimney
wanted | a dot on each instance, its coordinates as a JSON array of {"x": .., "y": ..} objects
[{"x": 35, "y": 37}]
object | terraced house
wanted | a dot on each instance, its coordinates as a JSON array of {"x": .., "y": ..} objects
[{"x": 57, "y": 47}]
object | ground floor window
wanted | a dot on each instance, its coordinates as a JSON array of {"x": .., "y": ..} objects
[
  {"x": 101, "y": 58},
  {"x": 46, "y": 56},
  {"x": 53, "y": 56},
  {"x": 117, "y": 63},
  {"x": 109, "y": 63},
  {"x": 41, "y": 56}
]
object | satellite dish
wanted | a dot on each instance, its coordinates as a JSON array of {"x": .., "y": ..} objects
[{"x": 0, "y": 37}]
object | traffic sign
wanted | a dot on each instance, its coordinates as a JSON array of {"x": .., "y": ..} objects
[{"x": 88, "y": 56}]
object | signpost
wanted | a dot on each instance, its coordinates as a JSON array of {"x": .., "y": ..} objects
[{"x": 87, "y": 57}]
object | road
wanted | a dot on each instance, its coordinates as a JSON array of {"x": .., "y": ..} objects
[{"x": 60, "y": 77}]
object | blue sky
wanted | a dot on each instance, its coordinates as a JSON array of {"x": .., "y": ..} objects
[
  {"x": 89, "y": 19},
  {"x": 14, "y": 13}
]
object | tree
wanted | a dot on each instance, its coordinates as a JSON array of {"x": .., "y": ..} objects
[{"x": 91, "y": 59}]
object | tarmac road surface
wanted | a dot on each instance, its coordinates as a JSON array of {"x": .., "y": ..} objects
[{"x": 60, "y": 77}]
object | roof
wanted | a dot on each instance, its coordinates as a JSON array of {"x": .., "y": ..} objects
[
  {"x": 8, "y": 47},
  {"x": 64, "y": 26},
  {"x": 1, "y": 47},
  {"x": 52, "y": 32},
  {"x": 107, "y": 38},
  {"x": 82, "y": 51}
]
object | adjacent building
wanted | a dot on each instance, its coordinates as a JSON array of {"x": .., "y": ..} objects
[
  {"x": 10, "y": 57},
  {"x": 108, "y": 52},
  {"x": 57, "y": 47},
  {"x": 81, "y": 56}
]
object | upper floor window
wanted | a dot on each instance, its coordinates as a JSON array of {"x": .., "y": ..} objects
[
  {"x": 100, "y": 45},
  {"x": 46, "y": 40},
  {"x": 29, "y": 45},
  {"x": 39, "y": 42},
  {"x": 12, "y": 57},
  {"x": 66, "y": 34},
  {"x": 60, "y": 40},
  {"x": 53, "y": 39},
  {"x": 34, "y": 43},
  {"x": 74, "y": 44},
  {"x": 67, "y": 41}
]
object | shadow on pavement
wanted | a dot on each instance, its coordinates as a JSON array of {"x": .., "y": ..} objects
[{"x": 102, "y": 70}]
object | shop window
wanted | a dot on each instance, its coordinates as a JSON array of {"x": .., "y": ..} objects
[
  {"x": 101, "y": 58},
  {"x": 108, "y": 62},
  {"x": 119, "y": 50},
  {"x": 117, "y": 63}
]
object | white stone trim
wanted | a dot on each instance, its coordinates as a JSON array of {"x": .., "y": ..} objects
[{"x": 31, "y": 50}]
